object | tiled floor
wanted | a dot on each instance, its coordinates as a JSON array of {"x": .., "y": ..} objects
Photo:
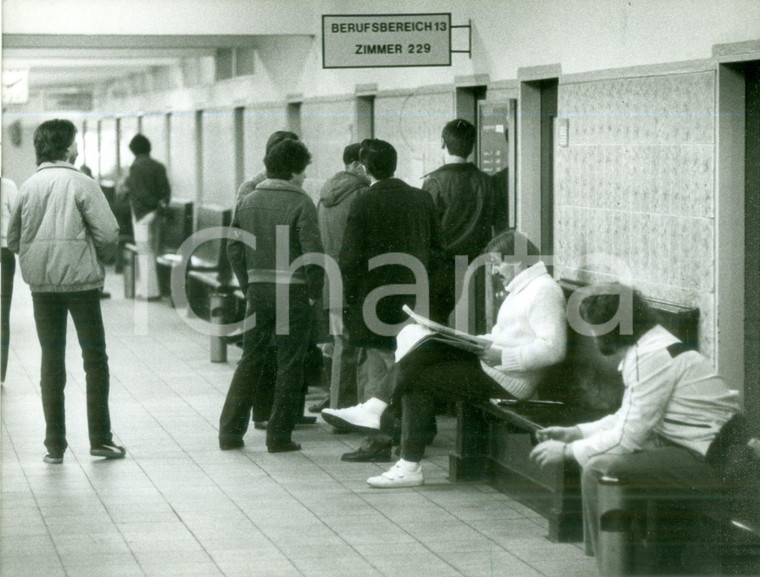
[{"x": 177, "y": 506}]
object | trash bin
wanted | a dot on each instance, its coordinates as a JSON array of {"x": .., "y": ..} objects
[
  {"x": 615, "y": 540},
  {"x": 218, "y": 312}
]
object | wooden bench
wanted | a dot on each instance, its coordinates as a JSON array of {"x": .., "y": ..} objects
[
  {"x": 178, "y": 226},
  {"x": 494, "y": 440},
  {"x": 209, "y": 269}
]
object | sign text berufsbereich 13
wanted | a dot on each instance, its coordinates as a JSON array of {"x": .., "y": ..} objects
[{"x": 386, "y": 40}]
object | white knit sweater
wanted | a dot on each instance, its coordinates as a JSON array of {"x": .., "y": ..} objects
[{"x": 530, "y": 330}]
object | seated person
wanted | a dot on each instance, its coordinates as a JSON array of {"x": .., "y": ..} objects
[
  {"x": 673, "y": 407},
  {"x": 530, "y": 335}
]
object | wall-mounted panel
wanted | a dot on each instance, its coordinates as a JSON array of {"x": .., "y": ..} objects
[
  {"x": 155, "y": 129},
  {"x": 328, "y": 127},
  {"x": 634, "y": 186},
  {"x": 258, "y": 124},
  {"x": 108, "y": 169},
  {"x": 218, "y": 153},
  {"x": 412, "y": 123},
  {"x": 183, "y": 165},
  {"x": 128, "y": 127}
]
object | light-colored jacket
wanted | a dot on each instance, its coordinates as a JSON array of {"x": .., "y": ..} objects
[
  {"x": 63, "y": 230},
  {"x": 9, "y": 194},
  {"x": 530, "y": 331},
  {"x": 671, "y": 393}
]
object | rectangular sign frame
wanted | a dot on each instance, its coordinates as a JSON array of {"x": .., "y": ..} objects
[{"x": 386, "y": 40}]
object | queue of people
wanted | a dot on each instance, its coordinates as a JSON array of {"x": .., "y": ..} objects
[{"x": 384, "y": 235}]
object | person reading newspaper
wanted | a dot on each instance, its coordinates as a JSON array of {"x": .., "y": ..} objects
[{"x": 529, "y": 336}]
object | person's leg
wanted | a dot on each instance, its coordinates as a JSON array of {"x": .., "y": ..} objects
[
  {"x": 343, "y": 386},
  {"x": 88, "y": 321},
  {"x": 7, "y": 274},
  {"x": 250, "y": 385},
  {"x": 50, "y": 315},
  {"x": 292, "y": 344},
  {"x": 263, "y": 385},
  {"x": 436, "y": 370},
  {"x": 377, "y": 366},
  {"x": 146, "y": 282},
  {"x": 671, "y": 474}
]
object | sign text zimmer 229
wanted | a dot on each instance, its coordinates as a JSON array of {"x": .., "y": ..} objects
[{"x": 382, "y": 40}]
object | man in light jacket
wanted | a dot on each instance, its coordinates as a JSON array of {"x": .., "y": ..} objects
[{"x": 63, "y": 231}]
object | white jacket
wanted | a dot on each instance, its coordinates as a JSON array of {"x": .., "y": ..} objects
[
  {"x": 670, "y": 393},
  {"x": 530, "y": 331}
]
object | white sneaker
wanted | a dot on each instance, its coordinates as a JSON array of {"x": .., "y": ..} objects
[
  {"x": 364, "y": 417},
  {"x": 397, "y": 476}
]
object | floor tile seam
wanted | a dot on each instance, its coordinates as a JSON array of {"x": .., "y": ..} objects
[
  {"x": 38, "y": 509},
  {"x": 434, "y": 553}
]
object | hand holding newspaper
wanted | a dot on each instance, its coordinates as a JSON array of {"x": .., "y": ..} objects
[{"x": 425, "y": 329}]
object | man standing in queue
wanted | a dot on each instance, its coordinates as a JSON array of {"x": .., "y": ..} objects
[
  {"x": 392, "y": 221},
  {"x": 283, "y": 220}
]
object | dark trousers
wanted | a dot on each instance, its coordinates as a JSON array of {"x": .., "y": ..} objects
[
  {"x": 436, "y": 370},
  {"x": 51, "y": 312},
  {"x": 267, "y": 350},
  {"x": 7, "y": 274}
]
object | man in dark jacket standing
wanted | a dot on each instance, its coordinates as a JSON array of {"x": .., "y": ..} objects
[
  {"x": 149, "y": 190},
  {"x": 335, "y": 200},
  {"x": 63, "y": 230},
  {"x": 465, "y": 204},
  {"x": 283, "y": 220},
  {"x": 391, "y": 228}
]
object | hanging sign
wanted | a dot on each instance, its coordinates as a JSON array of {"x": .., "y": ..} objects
[{"x": 386, "y": 40}]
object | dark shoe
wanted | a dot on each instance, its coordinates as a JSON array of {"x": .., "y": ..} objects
[
  {"x": 376, "y": 454},
  {"x": 283, "y": 447},
  {"x": 53, "y": 458},
  {"x": 229, "y": 445},
  {"x": 317, "y": 407},
  {"x": 108, "y": 450},
  {"x": 304, "y": 420},
  {"x": 260, "y": 425}
]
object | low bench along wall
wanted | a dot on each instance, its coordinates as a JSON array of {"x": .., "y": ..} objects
[{"x": 494, "y": 441}]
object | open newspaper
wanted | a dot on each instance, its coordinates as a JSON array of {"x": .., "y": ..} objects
[{"x": 426, "y": 330}]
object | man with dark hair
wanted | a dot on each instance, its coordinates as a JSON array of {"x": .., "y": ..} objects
[
  {"x": 274, "y": 138},
  {"x": 149, "y": 192},
  {"x": 63, "y": 230},
  {"x": 335, "y": 200},
  {"x": 389, "y": 218},
  {"x": 283, "y": 220},
  {"x": 465, "y": 204},
  {"x": 673, "y": 407}
]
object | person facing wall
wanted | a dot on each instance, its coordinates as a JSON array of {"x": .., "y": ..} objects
[
  {"x": 149, "y": 192},
  {"x": 63, "y": 231},
  {"x": 335, "y": 200},
  {"x": 466, "y": 206}
]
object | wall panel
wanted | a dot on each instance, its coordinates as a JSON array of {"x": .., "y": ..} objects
[
  {"x": 183, "y": 164},
  {"x": 412, "y": 123},
  {"x": 634, "y": 186},
  {"x": 154, "y": 128},
  {"x": 258, "y": 123},
  {"x": 218, "y": 153}
]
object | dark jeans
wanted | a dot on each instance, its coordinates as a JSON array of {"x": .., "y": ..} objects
[
  {"x": 51, "y": 312},
  {"x": 267, "y": 351},
  {"x": 436, "y": 370},
  {"x": 7, "y": 273}
]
